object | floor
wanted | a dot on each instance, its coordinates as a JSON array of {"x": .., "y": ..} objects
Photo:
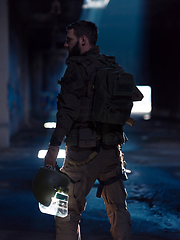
[{"x": 153, "y": 156}]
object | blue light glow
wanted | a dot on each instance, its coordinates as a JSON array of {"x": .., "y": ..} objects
[{"x": 95, "y": 4}]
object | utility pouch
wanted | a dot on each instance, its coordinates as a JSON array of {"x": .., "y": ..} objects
[
  {"x": 87, "y": 137},
  {"x": 72, "y": 138},
  {"x": 110, "y": 136}
]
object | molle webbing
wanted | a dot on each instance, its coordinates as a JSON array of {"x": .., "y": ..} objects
[
  {"x": 85, "y": 110},
  {"x": 87, "y": 100}
]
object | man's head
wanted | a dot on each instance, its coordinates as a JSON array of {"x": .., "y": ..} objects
[{"x": 81, "y": 36}]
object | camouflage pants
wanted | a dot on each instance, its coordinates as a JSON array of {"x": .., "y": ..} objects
[{"x": 104, "y": 166}]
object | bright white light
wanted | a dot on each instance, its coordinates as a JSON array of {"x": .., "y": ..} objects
[
  {"x": 95, "y": 3},
  {"x": 50, "y": 125},
  {"x": 58, "y": 206},
  {"x": 147, "y": 116},
  {"x": 61, "y": 154},
  {"x": 143, "y": 106}
]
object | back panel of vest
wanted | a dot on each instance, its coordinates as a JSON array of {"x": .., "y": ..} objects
[{"x": 112, "y": 95}]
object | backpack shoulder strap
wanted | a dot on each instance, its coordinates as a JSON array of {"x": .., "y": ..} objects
[{"x": 84, "y": 61}]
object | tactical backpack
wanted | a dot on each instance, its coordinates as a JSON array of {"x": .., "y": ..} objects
[{"x": 113, "y": 91}]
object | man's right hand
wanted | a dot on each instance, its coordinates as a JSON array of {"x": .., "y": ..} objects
[{"x": 51, "y": 156}]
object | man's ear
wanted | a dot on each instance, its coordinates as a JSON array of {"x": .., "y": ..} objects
[{"x": 83, "y": 40}]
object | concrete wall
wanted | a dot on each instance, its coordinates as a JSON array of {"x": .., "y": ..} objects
[
  {"x": 162, "y": 28},
  {"x": 4, "y": 74},
  {"x": 19, "y": 80},
  {"x": 30, "y": 65},
  {"x": 14, "y": 75},
  {"x": 46, "y": 69},
  {"x": 18, "y": 87}
]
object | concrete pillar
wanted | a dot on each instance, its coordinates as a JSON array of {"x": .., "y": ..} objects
[
  {"x": 37, "y": 82},
  {"x": 4, "y": 111}
]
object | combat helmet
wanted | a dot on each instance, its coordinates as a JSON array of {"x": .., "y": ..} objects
[{"x": 46, "y": 183}]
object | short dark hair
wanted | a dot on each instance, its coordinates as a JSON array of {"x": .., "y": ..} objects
[{"x": 87, "y": 28}]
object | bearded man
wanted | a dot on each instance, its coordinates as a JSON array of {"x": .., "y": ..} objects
[{"x": 87, "y": 157}]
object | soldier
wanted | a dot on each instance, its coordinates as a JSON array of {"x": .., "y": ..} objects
[{"x": 87, "y": 157}]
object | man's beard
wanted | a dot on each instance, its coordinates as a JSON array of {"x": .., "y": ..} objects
[{"x": 75, "y": 51}]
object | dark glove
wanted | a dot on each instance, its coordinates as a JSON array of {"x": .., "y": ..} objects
[{"x": 51, "y": 156}]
